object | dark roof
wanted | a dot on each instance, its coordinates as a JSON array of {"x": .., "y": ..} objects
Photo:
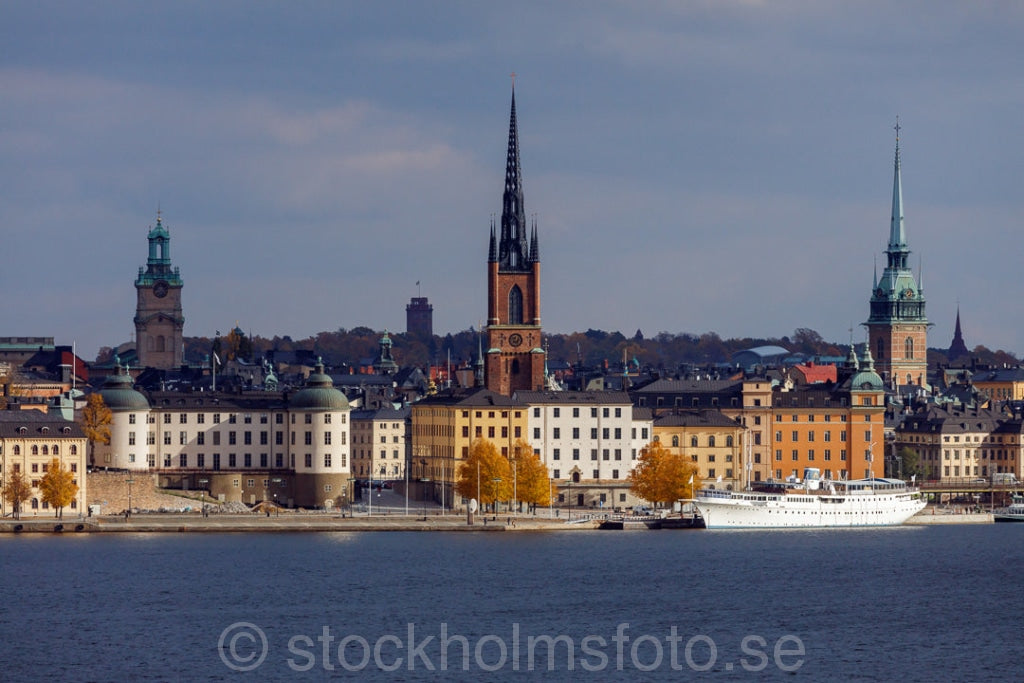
[
  {"x": 696, "y": 418},
  {"x": 689, "y": 386},
  {"x": 384, "y": 413},
  {"x": 588, "y": 397},
  {"x": 472, "y": 397},
  {"x": 34, "y": 421}
]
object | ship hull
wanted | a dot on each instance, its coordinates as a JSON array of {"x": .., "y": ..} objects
[{"x": 750, "y": 511}]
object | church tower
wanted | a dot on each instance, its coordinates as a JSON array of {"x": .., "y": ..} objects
[
  {"x": 897, "y": 326},
  {"x": 159, "y": 323},
  {"x": 515, "y": 359}
]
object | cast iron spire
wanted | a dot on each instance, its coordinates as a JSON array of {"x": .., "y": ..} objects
[
  {"x": 897, "y": 250},
  {"x": 513, "y": 249}
]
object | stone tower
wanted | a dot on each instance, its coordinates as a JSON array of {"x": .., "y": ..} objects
[
  {"x": 514, "y": 359},
  {"x": 159, "y": 323},
  {"x": 897, "y": 326}
]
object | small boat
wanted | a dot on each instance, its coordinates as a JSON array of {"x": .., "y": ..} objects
[{"x": 1012, "y": 513}]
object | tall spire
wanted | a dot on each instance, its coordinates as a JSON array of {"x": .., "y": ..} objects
[
  {"x": 897, "y": 233},
  {"x": 513, "y": 248}
]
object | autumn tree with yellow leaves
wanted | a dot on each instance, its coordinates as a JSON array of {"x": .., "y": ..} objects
[
  {"x": 661, "y": 476},
  {"x": 485, "y": 475},
  {"x": 58, "y": 486},
  {"x": 96, "y": 419},
  {"x": 16, "y": 491},
  {"x": 530, "y": 476}
]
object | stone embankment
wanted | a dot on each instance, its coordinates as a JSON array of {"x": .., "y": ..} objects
[{"x": 110, "y": 491}]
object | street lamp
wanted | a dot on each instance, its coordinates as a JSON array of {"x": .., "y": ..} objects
[
  {"x": 494, "y": 495},
  {"x": 202, "y": 495},
  {"x": 515, "y": 488},
  {"x": 128, "y": 514},
  {"x": 551, "y": 499},
  {"x": 277, "y": 509}
]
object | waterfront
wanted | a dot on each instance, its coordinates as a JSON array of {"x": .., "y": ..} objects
[{"x": 917, "y": 603}]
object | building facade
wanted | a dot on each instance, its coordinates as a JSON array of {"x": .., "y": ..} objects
[
  {"x": 897, "y": 325},
  {"x": 514, "y": 359},
  {"x": 444, "y": 428},
  {"x": 589, "y": 441},
  {"x": 959, "y": 444},
  {"x": 29, "y": 441},
  {"x": 249, "y": 446},
  {"x": 379, "y": 443},
  {"x": 159, "y": 321},
  {"x": 710, "y": 439}
]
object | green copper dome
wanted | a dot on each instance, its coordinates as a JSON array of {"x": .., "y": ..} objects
[
  {"x": 119, "y": 394},
  {"x": 319, "y": 393}
]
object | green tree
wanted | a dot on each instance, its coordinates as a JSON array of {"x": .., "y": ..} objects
[
  {"x": 17, "y": 491},
  {"x": 661, "y": 476},
  {"x": 487, "y": 468},
  {"x": 58, "y": 486},
  {"x": 530, "y": 476},
  {"x": 96, "y": 419},
  {"x": 910, "y": 462}
]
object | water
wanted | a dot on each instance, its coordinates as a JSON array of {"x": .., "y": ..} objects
[{"x": 909, "y": 603}]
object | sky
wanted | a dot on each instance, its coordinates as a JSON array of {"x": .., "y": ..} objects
[{"x": 720, "y": 166}]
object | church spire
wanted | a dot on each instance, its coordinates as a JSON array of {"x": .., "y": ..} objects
[
  {"x": 513, "y": 248},
  {"x": 897, "y": 233}
]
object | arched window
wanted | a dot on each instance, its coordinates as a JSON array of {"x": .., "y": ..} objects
[
  {"x": 35, "y": 504},
  {"x": 879, "y": 349},
  {"x": 675, "y": 441},
  {"x": 46, "y": 450},
  {"x": 17, "y": 450},
  {"x": 74, "y": 450},
  {"x": 56, "y": 450},
  {"x": 693, "y": 441},
  {"x": 908, "y": 347},
  {"x": 35, "y": 450},
  {"x": 160, "y": 343},
  {"x": 515, "y": 306},
  {"x": 728, "y": 441},
  {"x": 711, "y": 441}
]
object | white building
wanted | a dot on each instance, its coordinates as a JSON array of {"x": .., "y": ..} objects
[
  {"x": 589, "y": 440},
  {"x": 249, "y": 446}
]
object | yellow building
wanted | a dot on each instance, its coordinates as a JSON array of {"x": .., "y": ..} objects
[
  {"x": 710, "y": 439},
  {"x": 444, "y": 427},
  {"x": 29, "y": 440},
  {"x": 1006, "y": 384}
]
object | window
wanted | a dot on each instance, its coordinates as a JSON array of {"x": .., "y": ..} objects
[
  {"x": 515, "y": 306},
  {"x": 308, "y": 418},
  {"x": 693, "y": 442},
  {"x": 575, "y": 432},
  {"x": 327, "y": 419},
  {"x": 167, "y": 418},
  {"x": 327, "y": 459},
  {"x": 200, "y": 460},
  {"x": 247, "y": 459},
  {"x": 575, "y": 412},
  {"x": 232, "y": 438},
  {"x": 711, "y": 442},
  {"x": 182, "y": 438},
  {"x": 327, "y": 438},
  {"x": 309, "y": 460},
  {"x": 201, "y": 418},
  {"x": 232, "y": 460},
  {"x": 182, "y": 460},
  {"x": 556, "y": 433},
  {"x": 536, "y": 432},
  {"x": 131, "y": 418},
  {"x": 556, "y": 412},
  {"x": 675, "y": 441},
  {"x": 309, "y": 438},
  {"x": 247, "y": 438},
  {"x": 575, "y": 454},
  {"x": 556, "y": 454},
  {"x": 183, "y": 418}
]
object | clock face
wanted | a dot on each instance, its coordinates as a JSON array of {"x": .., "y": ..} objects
[
  {"x": 515, "y": 339},
  {"x": 160, "y": 289},
  {"x": 908, "y": 293}
]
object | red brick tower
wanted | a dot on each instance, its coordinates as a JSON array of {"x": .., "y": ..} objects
[{"x": 514, "y": 359}]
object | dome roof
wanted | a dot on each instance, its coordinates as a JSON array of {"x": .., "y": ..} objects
[
  {"x": 119, "y": 394},
  {"x": 319, "y": 393}
]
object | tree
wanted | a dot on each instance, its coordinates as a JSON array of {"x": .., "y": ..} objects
[
  {"x": 96, "y": 419},
  {"x": 17, "y": 491},
  {"x": 661, "y": 476},
  {"x": 494, "y": 476},
  {"x": 58, "y": 486},
  {"x": 530, "y": 476},
  {"x": 910, "y": 463}
]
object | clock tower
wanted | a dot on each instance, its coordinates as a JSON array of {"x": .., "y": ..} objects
[
  {"x": 514, "y": 359},
  {"x": 897, "y": 326},
  {"x": 159, "y": 323}
]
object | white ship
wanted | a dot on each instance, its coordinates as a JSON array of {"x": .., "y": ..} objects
[{"x": 816, "y": 503}]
